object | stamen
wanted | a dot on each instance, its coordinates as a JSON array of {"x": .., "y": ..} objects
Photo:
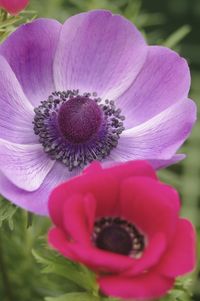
[{"x": 77, "y": 129}]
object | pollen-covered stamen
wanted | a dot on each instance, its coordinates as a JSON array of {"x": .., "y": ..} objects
[
  {"x": 77, "y": 129},
  {"x": 117, "y": 235}
]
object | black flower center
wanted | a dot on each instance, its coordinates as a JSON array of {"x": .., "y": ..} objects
[
  {"x": 118, "y": 236},
  {"x": 77, "y": 129},
  {"x": 114, "y": 239}
]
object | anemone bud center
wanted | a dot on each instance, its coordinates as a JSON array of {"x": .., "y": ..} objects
[
  {"x": 114, "y": 239},
  {"x": 79, "y": 119}
]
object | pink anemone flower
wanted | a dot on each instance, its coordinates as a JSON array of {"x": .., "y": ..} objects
[{"x": 124, "y": 224}]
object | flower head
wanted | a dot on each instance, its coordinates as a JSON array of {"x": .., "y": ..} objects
[
  {"x": 124, "y": 224},
  {"x": 91, "y": 89},
  {"x": 13, "y": 6}
]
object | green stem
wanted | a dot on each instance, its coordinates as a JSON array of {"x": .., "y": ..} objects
[
  {"x": 3, "y": 271},
  {"x": 4, "y": 15}
]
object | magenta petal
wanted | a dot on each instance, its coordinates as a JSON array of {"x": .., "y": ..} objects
[
  {"x": 129, "y": 169},
  {"x": 144, "y": 287},
  {"x": 104, "y": 184},
  {"x": 102, "y": 187},
  {"x": 91, "y": 256},
  {"x": 155, "y": 138},
  {"x": 26, "y": 166},
  {"x": 35, "y": 201},
  {"x": 94, "y": 167},
  {"x": 163, "y": 80},
  {"x": 157, "y": 204},
  {"x": 98, "y": 52},
  {"x": 100, "y": 260},
  {"x": 79, "y": 217},
  {"x": 16, "y": 112},
  {"x": 58, "y": 240},
  {"x": 150, "y": 257},
  {"x": 30, "y": 52},
  {"x": 14, "y": 6},
  {"x": 180, "y": 257}
]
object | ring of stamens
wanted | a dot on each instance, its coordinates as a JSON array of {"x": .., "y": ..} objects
[
  {"x": 66, "y": 145},
  {"x": 117, "y": 235}
]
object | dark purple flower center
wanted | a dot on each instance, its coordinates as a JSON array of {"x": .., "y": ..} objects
[
  {"x": 118, "y": 236},
  {"x": 77, "y": 129},
  {"x": 114, "y": 239},
  {"x": 79, "y": 119}
]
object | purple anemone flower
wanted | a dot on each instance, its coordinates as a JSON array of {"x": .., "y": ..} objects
[{"x": 91, "y": 89}]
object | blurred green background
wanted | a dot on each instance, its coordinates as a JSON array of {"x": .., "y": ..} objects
[{"x": 173, "y": 23}]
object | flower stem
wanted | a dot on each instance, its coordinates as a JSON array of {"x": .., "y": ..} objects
[
  {"x": 3, "y": 271},
  {"x": 4, "y": 15}
]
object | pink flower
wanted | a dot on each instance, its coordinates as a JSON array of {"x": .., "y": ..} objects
[
  {"x": 124, "y": 224},
  {"x": 13, "y": 6}
]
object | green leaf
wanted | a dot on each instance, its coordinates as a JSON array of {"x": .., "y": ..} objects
[
  {"x": 74, "y": 297},
  {"x": 79, "y": 297},
  {"x": 79, "y": 274},
  {"x": 176, "y": 37},
  {"x": 7, "y": 212},
  {"x": 9, "y": 23},
  {"x": 182, "y": 290}
]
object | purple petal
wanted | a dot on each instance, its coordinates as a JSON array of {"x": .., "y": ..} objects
[
  {"x": 26, "y": 166},
  {"x": 98, "y": 52},
  {"x": 16, "y": 112},
  {"x": 157, "y": 164},
  {"x": 35, "y": 201},
  {"x": 163, "y": 80},
  {"x": 160, "y": 137},
  {"x": 30, "y": 51}
]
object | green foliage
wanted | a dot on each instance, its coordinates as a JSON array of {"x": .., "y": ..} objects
[
  {"x": 74, "y": 297},
  {"x": 75, "y": 273},
  {"x": 8, "y": 23},
  {"x": 79, "y": 297},
  {"x": 20, "y": 277},
  {"x": 176, "y": 37},
  {"x": 181, "y": 292},
  {"x": 7, "y": 211},
  {"x": 86, "y": 287}
]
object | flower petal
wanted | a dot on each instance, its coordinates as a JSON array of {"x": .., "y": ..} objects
[
  {"x": 59, "y": 241},
  {"x": 26, "y": 166},
  {"x": 35, "y": 201},
  {"x": 180, "y": 258},
  {"x": 14, "y": 6},
  {"x": 104, "y": 188},
  {"x": 163, "y": 80},
  {"x": 122, "y": 170},
  {"x": 147, "y": 286},
  {"x": 150, "y": 205},
  {"x": 112, "y": 53},
  {"x": 79, "y": 217},
  {"x": 16, "y": 112},
  {"x": 30, "y": 52},
  {"x": 104, "y": 184},
  {"x": 155, "y": 138},
  {"x": 157, "y": 164},
  {"x": 100, "y": 260},
  {"x": 90, "y": 256},
  {"x": 94, "y": 167},
  {"x": 150, "y": 257}
]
